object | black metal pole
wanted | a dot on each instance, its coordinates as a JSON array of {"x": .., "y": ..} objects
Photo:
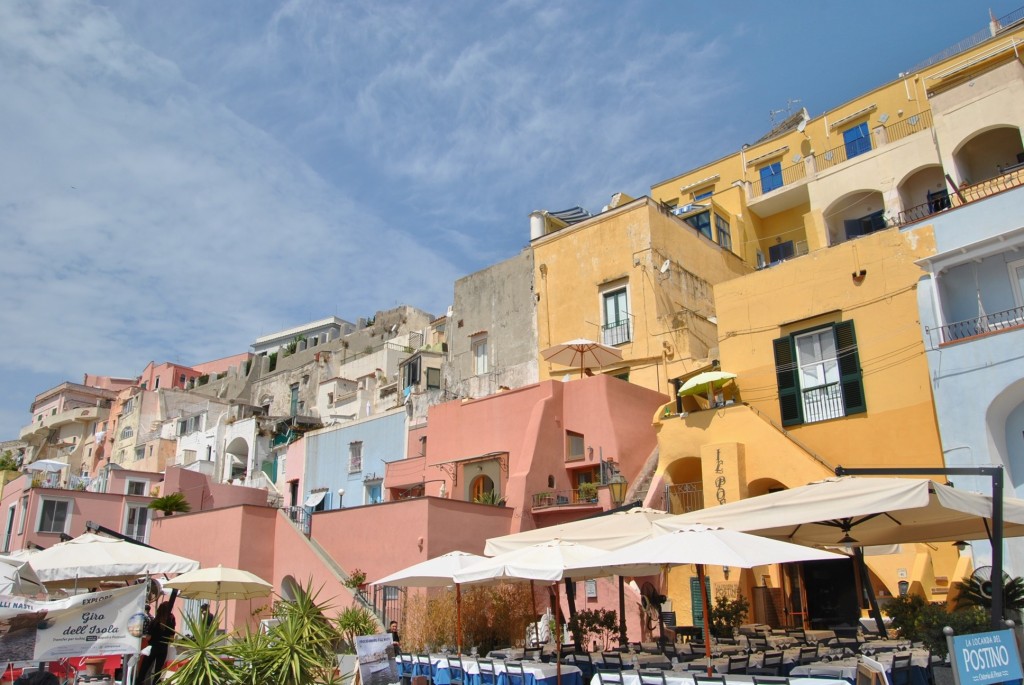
[
  {"x": 993, "y": 472},
  {"x": 868, "y": 589},
  {"x": 623, "y": 639}
]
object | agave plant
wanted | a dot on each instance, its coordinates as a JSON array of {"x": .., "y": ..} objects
[{"x": 203, "y": 653}]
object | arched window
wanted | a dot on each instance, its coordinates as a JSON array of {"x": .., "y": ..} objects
[{"x": 482, "y": 485}]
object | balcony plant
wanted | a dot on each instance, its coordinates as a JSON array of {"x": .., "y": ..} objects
[
  {"x": 356, "y": 579},
  {"x": 587, "y": 492},
  {"x": 171, "y": 504}
]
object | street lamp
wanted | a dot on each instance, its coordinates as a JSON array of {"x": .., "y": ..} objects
[
  {"x": 617, "y": 488},
  {"x": 341, "y": 494}
]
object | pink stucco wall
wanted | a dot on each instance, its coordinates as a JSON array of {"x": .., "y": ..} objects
[
  {"x": 223, "y": 364},
  {"x": 169, "y": 375},
  {"x": 203, "y": 494},
  {"x": 295, "y": 461},
  {"x": 383, "y": 538}
]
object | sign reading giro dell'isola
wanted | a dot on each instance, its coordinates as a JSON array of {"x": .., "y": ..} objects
[
  {"x": 92, "y": 624},
  {"x": 986, "y": 658}
]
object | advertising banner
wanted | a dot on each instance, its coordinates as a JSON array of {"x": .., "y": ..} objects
[
  {"x": 93, "y": 624},
  {"x": 985, "y": 658},
  {"x": 376, "y": 657}
]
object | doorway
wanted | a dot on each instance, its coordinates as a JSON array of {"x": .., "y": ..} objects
[{"x": 831, "y": 593}]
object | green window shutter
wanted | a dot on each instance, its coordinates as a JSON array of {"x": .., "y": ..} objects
[
  {"x": 696, "y": 606},
  {"x": 850, "y": 376},
  {"x": 786, "y": 374}
]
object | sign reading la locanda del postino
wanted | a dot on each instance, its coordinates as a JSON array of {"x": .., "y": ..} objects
[
  {"x": 985, "y": 658},
  {"x": 92, "y": 624}
]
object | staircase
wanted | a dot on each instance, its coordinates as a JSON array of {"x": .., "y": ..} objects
[{"x": 638, "y": 490}]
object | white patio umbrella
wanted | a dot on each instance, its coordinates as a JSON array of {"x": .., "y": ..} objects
[
  {"x": 437, "y": 572},
  {"x": 90, "y": 558},
  {"x": 608, "y": 531},
  {"x": 700, "y": 545},
  {"x": 17, "y": 577},
  {"x": 582, "y": 353},
  {"x": 220, "y": 583},
  {"x": 545, "y": 561},
  {"x": 48, "y": 465}
]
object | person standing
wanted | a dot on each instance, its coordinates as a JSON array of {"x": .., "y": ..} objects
[
  {"x": 396, "y": 641},
  {"x": 161, "y": 630}
]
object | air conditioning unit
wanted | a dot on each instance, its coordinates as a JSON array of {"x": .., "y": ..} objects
[{"x": 800, "y": 248}]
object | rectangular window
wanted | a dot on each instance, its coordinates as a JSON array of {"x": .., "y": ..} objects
[
  {"x": 574, "y": 448},
  {"x": 137, "y": 523},
  {"x": 771, "y": 177},
  {"x": 722, "y": 229},
  {"x": 411, "y": 372},
  {"x": 294, "y": 401},
  {"x": 373, "y": 493},
  {"x": 54, "y": 515},
  {"x": 181, "y": 379},
  {"x": 479, "y": 349},
  {"x": 857, "y": 140},
  {"x": 156, "y": 383},
  {"x": 777, "y": 253},
  {"x": 355, "y": 456},
  {"x": 703, "y": 195},
  {"x": 189, "y": 456},
  {"x": 136, "y": 487},
  {"x": 702, "y": 222},
  {"x": 434, "y": 378},
  {"x": 140, "y": 453},
  {"x": 615, "y": 317},
  {"x": 818, "y": 374}
]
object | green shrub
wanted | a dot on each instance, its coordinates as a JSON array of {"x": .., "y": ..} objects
[
  {"x": 727, "y": 615},
  {"x": 914, "y": 618},
  {"x": 591, "y": 625}
]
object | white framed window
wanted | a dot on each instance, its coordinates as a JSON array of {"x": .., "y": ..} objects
[
  {"x": 127, "y": 432},
  {"x": 615, "y": 323},
  {"x": 818, "y": 368},
  {"x": 478, "y": 345},
  {"x": 136, "y": 487},
  {"x": 136, "y": 523},
  {"x": 1017, "y": 280},
  {"x": 355, "y": 456},
  {"x": 54, "y": 516}
]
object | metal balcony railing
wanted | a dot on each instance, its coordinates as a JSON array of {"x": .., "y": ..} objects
[
  {"x": 300, "y": 516},
  {"x": 989, "y": 323},
  {"x": 616, "y": 333},
  {"x": 823, "y": 402},
  {"x": 909, "y": 126},
  {"x": 788, "y": 176},
  {"x": 683, "y": 498},
  {"x": 561, "y": 498}
]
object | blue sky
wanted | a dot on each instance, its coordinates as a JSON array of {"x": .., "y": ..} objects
[{"x": 178, "y": 178}]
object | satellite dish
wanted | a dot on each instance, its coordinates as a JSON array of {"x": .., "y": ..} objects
[
  {"x": 665, "y": 266},
  {"x": 802, "y": 125}
]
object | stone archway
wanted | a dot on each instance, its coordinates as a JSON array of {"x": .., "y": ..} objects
[
  {"x": 987, "y": 153},
  {"x": 763, "y": 486},
  {"x": 684, "y": 488},
  {"x": 237, "y": 453},
  {"x": 855, "y": 214}
]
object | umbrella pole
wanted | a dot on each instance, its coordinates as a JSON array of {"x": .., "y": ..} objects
[
  {"x": 705, "y": 613},
  {"x": 536, "y": 625},
  {"x": 458, "y": 618},
  {"x": 862, "y": 568},
  {"x": 558, "y": 635}
]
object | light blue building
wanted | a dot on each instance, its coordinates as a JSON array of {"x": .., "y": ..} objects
[
  {"x": 972, "y": 313},
  {"x": 345, "y": 464}
]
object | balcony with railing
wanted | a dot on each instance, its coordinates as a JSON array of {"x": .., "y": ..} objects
[
  {"x": 1009, "y": 178},
  {"x": 1007, "y": 320},
  {"x": 565, "y": 498},
  {"x": 787, "y": 177},
  {"x": 879, "y": 137},
  {"x": 616, "y": 333}
]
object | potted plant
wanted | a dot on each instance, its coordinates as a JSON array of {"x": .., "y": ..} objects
[
  {"x": 727, "y": 615},
  {"x": 587, "y": 492},
  {"x": 171, "y": 504},
  {"x": 356, "y": 580}
]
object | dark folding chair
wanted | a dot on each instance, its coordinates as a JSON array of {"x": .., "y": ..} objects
[
  {"x": 611, "y": 660},
  {"x": 757, "y": 643},
  {"x": 514, "y": 673},
  {"x": 709, "y": 679},
  {"x": 738, "y": 663},
  {"x": 797, "y": 634},
  {"x": 670, "y": 651},
  {"x": 487, "y": 675},
  {"x": 770, "y": 680},
  {"x": 583, "y": 662},
  {"x": 609, "y": 676},
  {"x": 808, "y": 654},
  {"x": 652, "y": 676},
  {"x": 456, "y": 672},
  {"x": 771, "y": 665},
  {"x": 899, "y": 673},
  {"x": 424, "y": 667}
]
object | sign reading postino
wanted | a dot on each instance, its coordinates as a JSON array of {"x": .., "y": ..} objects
[
  {"x": 985, "y": 658},
  {"x": 93, "y": 624}
]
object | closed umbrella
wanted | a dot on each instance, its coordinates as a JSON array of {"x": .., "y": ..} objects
[
  {"x": 582, "y": 353},
  {"x": 17, "y": 577},
  {"x": 220, "y": 583},
  {"x": 437, "y": 572}
]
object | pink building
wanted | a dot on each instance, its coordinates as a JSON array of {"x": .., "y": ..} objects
[
  {"x": 35, "y": 515},
  {"x": 166, "y": 376}
]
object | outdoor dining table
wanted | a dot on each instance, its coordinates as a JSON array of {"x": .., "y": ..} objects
[
  {"x": 675, "y": 678},
  {"x": 813, "y": 636},
  {"x": 847, "y": 668},
  {"x": 537, "y": 673}
]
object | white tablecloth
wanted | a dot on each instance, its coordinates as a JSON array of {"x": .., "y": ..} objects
[{"x": 671, "y": 678}]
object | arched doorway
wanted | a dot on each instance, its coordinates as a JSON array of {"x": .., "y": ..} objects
[
  {"x": 855, "y": 214},
  {"x": 763, "y": 486},
  {"x": 988, "y": 153},
  {"x": 238, "y": 459},
  {"x": 684, "y": 490},
  {"x": 923, "y": 193},
  {"x": 481, "y": 489}
]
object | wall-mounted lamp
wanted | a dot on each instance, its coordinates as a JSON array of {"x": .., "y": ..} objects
[
  {"x": 617, "y": 488},
  {"x": 859, "y": 275},
  {"x": 960, "y": 545},
  {"x": 725, "y": 572}
]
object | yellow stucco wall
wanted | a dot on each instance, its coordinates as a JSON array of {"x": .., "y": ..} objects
[{"x": 669, "y": 309}]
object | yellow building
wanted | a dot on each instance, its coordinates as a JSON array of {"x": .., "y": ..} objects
[
  {"x": 825, "y": 337},
  {"x": 634, "y": 277}
]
